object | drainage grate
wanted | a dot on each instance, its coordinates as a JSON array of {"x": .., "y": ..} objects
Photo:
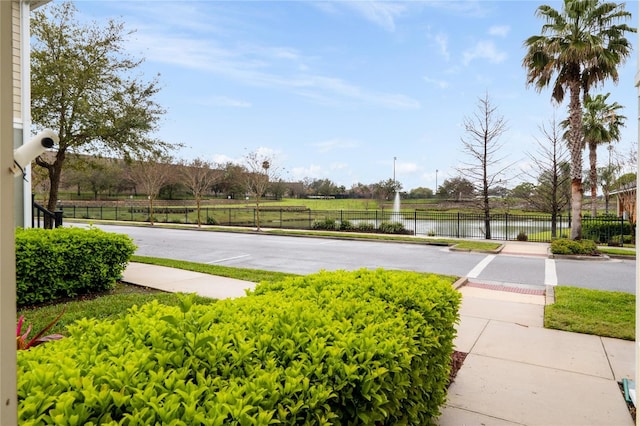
[{"x": 521, "y": 290}]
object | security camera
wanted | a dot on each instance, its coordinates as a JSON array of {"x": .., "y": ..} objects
[{"x": 29, "y": 151}]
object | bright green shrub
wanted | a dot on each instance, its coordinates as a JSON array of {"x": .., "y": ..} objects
[
  {"x": 428, "y": 304},
  {"x": 346, "y": 225},
  {"x": 364, "y": 347},
  {"x": 567, "y": 246},
  {"x": 621, "y": 239},
  {"x": 328, "y": 224},
  {"x": 392, "y": 228},
  {"x": 66, "y": 262},
  {"x": 365, "y": 227},
  {"x": 603, "y": 231}
]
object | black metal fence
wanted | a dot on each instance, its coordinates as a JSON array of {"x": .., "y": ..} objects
[
  {"x": 503, "y": 226},
  {"x": 43, "y": 218}
]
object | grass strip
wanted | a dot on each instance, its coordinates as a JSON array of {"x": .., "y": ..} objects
[
  {"x": 617, "y": 251},
  {"x": 117, "y": 302},
  {"x": 253, "y": 275},
  {"x": 476, "y": 246},
  {"x": 602, "y": 313},
  {"x": 102, "y": 306}
]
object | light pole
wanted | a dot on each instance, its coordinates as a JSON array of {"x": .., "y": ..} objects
[
  {"x": 436, "y": 181},
  {"x": 394, "y": 169}
]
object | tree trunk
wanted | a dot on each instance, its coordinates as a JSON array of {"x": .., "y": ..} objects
[
  {"x": 487, "y": 217},
  {"x": 55, "y": 171},
  {"x": 575, "y": 150},
  {"x": 151, "y": 210},
  {"x": 593, "y": 177},
  {"x": 576, "y": 209},
  {"x": 554, "y": 224},
  {"x": 257, "y": 213},
  {"x": 198, "y": 211}
]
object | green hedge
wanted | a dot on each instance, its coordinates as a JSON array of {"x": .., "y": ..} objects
[
  {"x": 602, "y": 232},
  {"x": 567, "y": 246},
  {"x": 67, "y": 262},
  {"x": 341, "y": 348}
]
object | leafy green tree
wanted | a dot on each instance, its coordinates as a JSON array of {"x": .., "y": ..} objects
[
  {"x": 386, "y": 189},
  {"x": 602, "y": 124},
  {"x": 360, "y": 190},
  {"x": 421, "y": 193},
  {"x": 607, "y": 178},
  {"x": 456, "y": 188},
  {"x": 625, "y": 180},
  {"x": 581, "y": 45},
  {"x": 321, "y": 187},
  {"x": 232, "y": 180},
  {"x": 523, "y": 191},
  {"x": 82, "y": 86}
]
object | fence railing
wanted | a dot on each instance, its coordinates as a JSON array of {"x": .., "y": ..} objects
[
  {"x": 43, "y": 218},
  {"x": 503, "y": 226}
]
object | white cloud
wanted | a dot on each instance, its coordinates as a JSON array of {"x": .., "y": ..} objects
[
  {"x": 499, "y": 30},
  {"x": 338, "y": 166},
  {"x": 442, "y": 42},
  {"x": 224, "y": 101},
  {"x": 335, "y": 144},
  {"x": 406, "y": 167},
  {"x": 223, "y": 159},
  {"x": 257, "y": 66},
  {"x": 484, "y": 50},
  {"x": 440, "y": 84},
  {"x": 313, "y": 171},
  {"x": 380, "y": 13}
]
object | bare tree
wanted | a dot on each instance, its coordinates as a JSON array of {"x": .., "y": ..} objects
[
  {"x": 199, "y": 176},
  {"x": 150, "y": 174},
  {"x": 551, "y": 169},
  {"x": 485, "y": 167},
  {"x": 261, "y": 171}
]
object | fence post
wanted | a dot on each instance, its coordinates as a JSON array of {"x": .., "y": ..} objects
[
  {"x": 458, "y": 227},
  {"x": 415, "y": 222},
  {"x": 57, "y": 218},
  {"x": 506, "y": 226},
  {"x": 281, "y": 218}
]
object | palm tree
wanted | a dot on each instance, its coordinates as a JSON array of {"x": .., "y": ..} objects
[
  {"x": 580, "y": 45},
  {"x": 601, "y": 123}
]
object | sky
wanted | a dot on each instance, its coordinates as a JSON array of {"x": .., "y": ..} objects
[{"x": 351, "y": 91}]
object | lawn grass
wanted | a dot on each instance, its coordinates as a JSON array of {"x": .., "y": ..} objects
[
  {"x": 118, "y": 301},
  {"x": 602, "y": 313},
  {"x": 476, "y": 245},
  {"x": 101, "y": 306},
  {"x": 617, "y": 251},
  {"x": 253, "y": 275}
]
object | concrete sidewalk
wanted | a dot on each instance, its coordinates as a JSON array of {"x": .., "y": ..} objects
[
  {"x": 519, "y": 373},
  {"x": 516, "y": 371},
  {"x": 178, "y": 280}
]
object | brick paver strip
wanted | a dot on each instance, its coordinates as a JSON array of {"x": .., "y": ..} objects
[{"x": 520, "y": 290}]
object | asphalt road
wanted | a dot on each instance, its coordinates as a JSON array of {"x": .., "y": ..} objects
[{"x": 304, "y": 255}]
